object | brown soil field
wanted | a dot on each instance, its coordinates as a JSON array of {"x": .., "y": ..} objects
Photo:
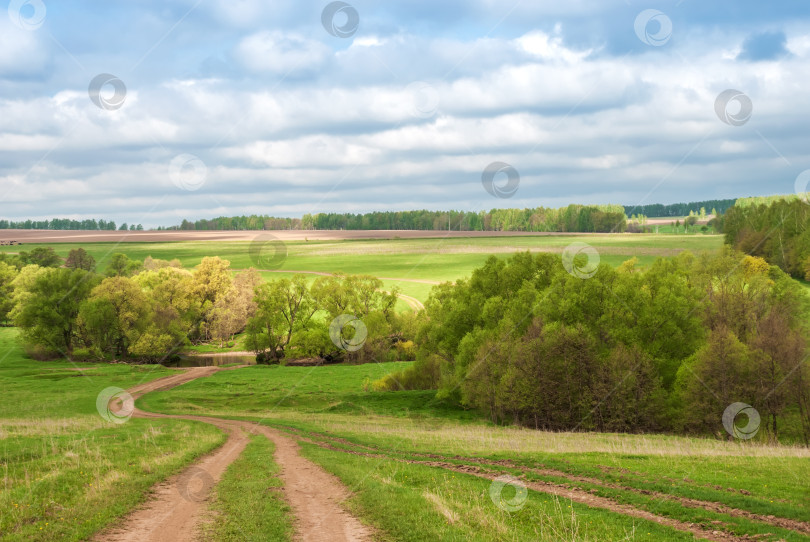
[{"x": 79, "y": 236}]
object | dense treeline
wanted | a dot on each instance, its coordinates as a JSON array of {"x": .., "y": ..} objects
[
  {"x": 148, "y": 311},
  {"x": 573, "y": 218},
  {"x": 777, "y": 231},
  {"x": 679, "y": 209},
  {"x": 66, "y": 224},
  {"x": 664, "y": 349}
]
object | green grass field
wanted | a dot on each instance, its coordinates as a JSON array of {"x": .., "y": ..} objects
[
  {"x": 654, "y": 473},
  {"x": 67, "y": 472},
  {"x": 418, "y": 469},
  {"x": 432, "y": 260}
]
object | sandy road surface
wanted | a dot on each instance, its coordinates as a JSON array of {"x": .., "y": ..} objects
[{"x": 179, "y": 505}]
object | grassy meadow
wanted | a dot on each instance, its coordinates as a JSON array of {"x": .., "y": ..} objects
[
  {"x": 428, "y": 260},
  {"x": 418, "y": 468},
  {"x": 384, "y": 445},
  {"x": 66, "y": 471}
]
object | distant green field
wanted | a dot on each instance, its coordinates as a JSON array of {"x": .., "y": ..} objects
[{"x": 433, "y": 260}]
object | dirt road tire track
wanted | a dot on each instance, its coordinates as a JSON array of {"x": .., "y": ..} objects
[
  {"x": 565, "y": 492},
  {"x": 802, "y": 527},
  {"x": 176, "y": 512}
]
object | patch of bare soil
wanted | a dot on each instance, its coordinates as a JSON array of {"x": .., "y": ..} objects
[
  {"x": 179, "y": 505},
  {"x": 92, "y": 236}
]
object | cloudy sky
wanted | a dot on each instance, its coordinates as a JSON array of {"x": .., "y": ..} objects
[{"x": 151, "y": 111}]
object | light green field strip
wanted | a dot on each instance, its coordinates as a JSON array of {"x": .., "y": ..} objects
[{"x": 430, "y": 260}]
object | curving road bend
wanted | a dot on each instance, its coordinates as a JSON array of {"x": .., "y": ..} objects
[{"x": 179, "y": 505}]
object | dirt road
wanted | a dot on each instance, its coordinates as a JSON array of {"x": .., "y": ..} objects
[{"x": 179, "y": 506}]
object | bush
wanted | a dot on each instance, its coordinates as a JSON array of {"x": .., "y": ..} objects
[
  {"x": 86, "y": 354},
  {"x": 264, "y": 358},
  {"x": 40, "y": 353},
  {"x": 406, "y": 350},
  {"x": 313, "y": 342}
]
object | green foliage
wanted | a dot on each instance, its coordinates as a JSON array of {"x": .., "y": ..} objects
[
  {"x": 115, "y": 315},
  {"x": 285, "y": 322},
  {"x": 58, "y": 224},
  {"x": 41, "y": 256},
  {"x": 574, "y": 218},
  {"x": 283, "y": 307},
  {"x": 773, "y": 228},
  {"x": 7, "y": 275},
  {"x": 121, "y": 266},
  {"x": 624, "y": 350},
  {"x": 681, "y": 209},
  {"x": 48, "y": 316},
  {"x": 312, "y": 342},
  {"x": 78, "y": 258},
  {"x": 146, "y": 317}
]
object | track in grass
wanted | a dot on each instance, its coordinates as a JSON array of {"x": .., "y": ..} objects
[
  {"x": 177, "y": 511},
  {"x": 492, "y": 469}
]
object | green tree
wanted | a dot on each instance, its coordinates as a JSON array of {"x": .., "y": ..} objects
[
  {"x": 41, "y": 256},
  {"x": 7, "y": 275},
  {"x": 48, "y": 313},
  {"x": 121, "y": 266},
  {"x": 78, "y": 258},
  {"x": 283, "y": 307},
  {"x": 721, "y": 373},
  {"x": 115, "y": 315}
]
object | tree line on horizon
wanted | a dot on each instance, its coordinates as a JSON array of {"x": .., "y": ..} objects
[
  {"x": 660, "y": 210},
  {"x": 572, "y": 218},
  {"x": 68, "y": 224}
]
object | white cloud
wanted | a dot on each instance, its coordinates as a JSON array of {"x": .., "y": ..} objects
[
  {"x": 280, "y": 52},
  {"x": 21, "y": 52},
  {"x": 341, "y": 133},
  {"x": 541, "y": 45}
]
